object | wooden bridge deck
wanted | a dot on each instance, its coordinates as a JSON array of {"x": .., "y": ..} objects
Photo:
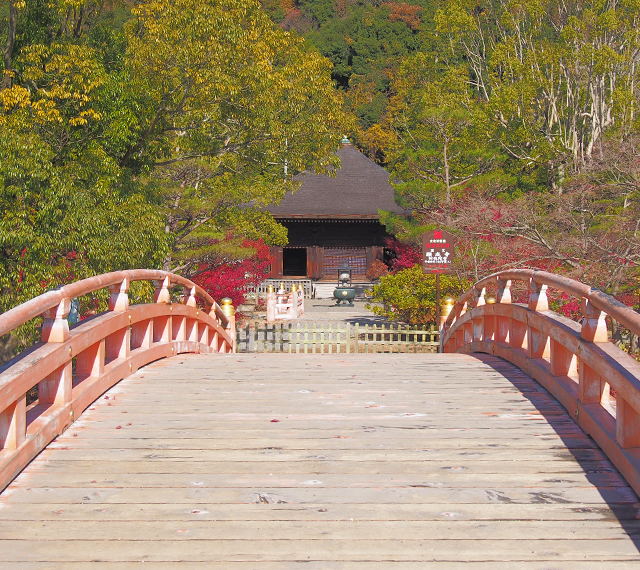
[{"x": 362, "y": 462}]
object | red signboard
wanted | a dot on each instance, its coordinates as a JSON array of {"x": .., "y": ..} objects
[{"x": 437, "y": 252}]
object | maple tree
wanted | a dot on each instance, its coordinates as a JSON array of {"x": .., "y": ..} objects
[{"x": 231, "y": 277}]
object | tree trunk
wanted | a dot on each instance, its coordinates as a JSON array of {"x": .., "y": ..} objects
[
  {"x": 447, "y": 181},
  {"x": 633, "y": 344},
  {"x": 616, "y": 333},
  {"x": 8, "y": 50},
  {"x": 446, "y": 176}
]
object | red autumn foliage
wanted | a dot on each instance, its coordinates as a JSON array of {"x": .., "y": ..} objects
[
  {"x": 404, "y": 13},
  {"x": 231, "y": 278},
  {"x": 403, "y": 255}
]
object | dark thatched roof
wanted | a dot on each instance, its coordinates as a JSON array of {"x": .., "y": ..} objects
[{"x": 359, "y": 190}]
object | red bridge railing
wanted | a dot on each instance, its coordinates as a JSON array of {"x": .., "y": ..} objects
[
  {"x": 575, "y": 362},
  {"x": 73, "y": 367}
]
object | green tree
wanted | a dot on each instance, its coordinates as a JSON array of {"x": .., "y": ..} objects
[
  {"x": 139, "y": 140},
  {"x": 557, "y": 75},
  {"x": 442, "y": 135},
  {"x": 232, "y": 108}
]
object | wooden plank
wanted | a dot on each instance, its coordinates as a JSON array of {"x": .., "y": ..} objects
[
  {"x": 365, "y": 549},
  {"x": 197, "y": 511},
  {"x": 345, "y": 530},
  {"x": 325, "y": 565}
]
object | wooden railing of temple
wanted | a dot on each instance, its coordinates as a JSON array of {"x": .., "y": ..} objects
[
  {"x": 576, "y": 363},
  {"x": 74, "y": 367}
]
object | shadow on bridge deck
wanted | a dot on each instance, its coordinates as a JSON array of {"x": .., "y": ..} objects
[{"x": 601, "y": 473}]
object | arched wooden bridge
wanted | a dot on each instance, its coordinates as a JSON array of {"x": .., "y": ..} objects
[{"x": 152, "y": 442}]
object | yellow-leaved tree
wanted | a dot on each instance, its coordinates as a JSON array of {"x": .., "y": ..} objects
[{"x": 230, "y": 109}]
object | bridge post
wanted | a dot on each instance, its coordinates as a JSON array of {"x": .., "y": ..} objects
[
  {"x": 192, "y": 331},
  {"x": 119, "y": 298},
  {"x": 162, "y": 326},
  {"x": 593, "y": 389},
  {"x": 56, "y": 387},
  {"x": 212, "y": 334},
  {"x": 13, "y": 424},
  {"x": 162, "y": 294},
  {"x": 230, "y": 313},
  {"x": 627, "y": 424},
  {"x": 190, "y": 296},
  {"x": 594, "y": 325},
  {"x": 538, "y": 300},
  {"x": 55, "y": 327},
  {"x": 539, "y": 345},
  {"x": 478, "y": 331},
  {"x": 504, "y": 291},
  {"x": 503, "y": 297},
  {"x": 563, "y": 361},
  {"x": 489, "y": 322}
]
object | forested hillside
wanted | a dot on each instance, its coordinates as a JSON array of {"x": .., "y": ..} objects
[
  {"x": 514, "y": 124},
  {"x": 153, "y": 133}
]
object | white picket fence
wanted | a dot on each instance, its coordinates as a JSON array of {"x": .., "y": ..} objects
[{"x": 330, "y": 338}]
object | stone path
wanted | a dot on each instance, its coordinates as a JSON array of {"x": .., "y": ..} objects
[
  {"x": 319, "y": 462},
  {"x": 326, "y": 310}
]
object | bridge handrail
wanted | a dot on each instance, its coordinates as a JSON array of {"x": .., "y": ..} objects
[
  {"x": 574, "y": 361},
  {"x": 73, "y": 367},
  {"x": 22, "y": 314},
  {"x": 625, "y": 315}
]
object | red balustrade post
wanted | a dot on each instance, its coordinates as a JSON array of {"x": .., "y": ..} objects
[
  {"x": 477, "y": 330},
  {"x": 627, "y": 424},
  {"x": 230, "y": 313},
  {"x": 594, "y": 325},
  {"x": 119, "y": 298},
  {"x": 503, "y": 297},
  {"x": 538, "y": 300},
  {"x": 162, "y": 294},
  {"x": 593, "y": 389},
  {"x": 211, "y": 338},
  {"x": 13, "y": 425},
  {"x": 504, "y": 291},
  {"x": 56, "y": 387},
  {"x": 190, "y": 296},
  {"x": 162, "y": 326},
  {"x": 563, "y": 361},
  {"x": 55, "y": 327},
  {"x": 538, "y": 345}
]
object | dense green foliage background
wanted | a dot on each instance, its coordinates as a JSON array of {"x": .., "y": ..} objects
[
  {"x": 150, "y": 134},
  {"x": 154, "y": 133}
]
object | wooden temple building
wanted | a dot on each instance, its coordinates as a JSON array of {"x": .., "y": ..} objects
[{"x": 335, "y": 220}]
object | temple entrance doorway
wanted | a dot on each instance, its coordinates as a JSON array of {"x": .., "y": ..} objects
[{"x": 294, "y": 262}]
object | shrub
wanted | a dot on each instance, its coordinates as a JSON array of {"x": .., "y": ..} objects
[{"x": 410, "y": 296}]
